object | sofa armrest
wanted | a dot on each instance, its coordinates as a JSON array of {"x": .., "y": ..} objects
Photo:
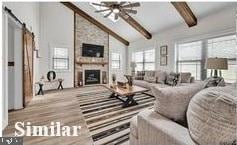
[{"x": 154, "y": 129}]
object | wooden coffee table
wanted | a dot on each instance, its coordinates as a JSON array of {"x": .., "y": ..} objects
[{"x": 129, "y": 93}]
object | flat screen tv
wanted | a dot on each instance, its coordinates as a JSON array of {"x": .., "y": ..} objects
[{"x": 91, "y": 50}]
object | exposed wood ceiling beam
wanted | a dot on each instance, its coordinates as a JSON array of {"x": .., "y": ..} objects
[
  {"x": 185, "y": 11},
  {"x": 135, "y": 25},
  {"x": 94, "y": 21}
]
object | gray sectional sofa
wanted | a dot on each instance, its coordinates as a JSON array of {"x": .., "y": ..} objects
[
  {"x": 162, "y": 79},
  {"x": 188, "y": 115}
]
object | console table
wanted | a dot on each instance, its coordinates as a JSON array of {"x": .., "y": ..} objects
[{"x": 42, "y": 83}]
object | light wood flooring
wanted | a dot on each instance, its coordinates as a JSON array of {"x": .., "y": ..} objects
[{"x": 54, "y": 106}]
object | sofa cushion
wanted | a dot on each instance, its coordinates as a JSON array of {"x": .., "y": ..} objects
[
  {"x": 142, "y": 83},
  {"x": 150, "y": 76},
  {"x": 172, "y": 79},
  {"x": 140, "y": 75},
  {"x": 160, "y": 76},
  {"x": 133, "y": 127},
  {"x": 172, "y": 102},
  {"x": 185, "y": 77},
  {"x": 212, "y": 117},
  {"x": 155, "y": 129}
]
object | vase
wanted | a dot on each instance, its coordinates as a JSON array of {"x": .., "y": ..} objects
[
  {"x": 130, "y": 80},
  {"x": 114, "y": 78}
]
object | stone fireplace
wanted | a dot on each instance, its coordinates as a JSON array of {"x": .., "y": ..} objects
[
  {"x": 90, "y": 70},
  {"x": 92, "y": 77}
]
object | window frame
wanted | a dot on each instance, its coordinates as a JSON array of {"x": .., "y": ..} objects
[
  {"x": 116, "y": 60},
  {"x": 144, "y": 62},
  {"x": 204, "y": 54},
  {"x": 53, "y": 58},
  {"x": 202, "y": 64}
]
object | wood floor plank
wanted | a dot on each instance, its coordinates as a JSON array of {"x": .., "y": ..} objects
[
  {"x": 101, "y": 117},
  {"x": 54, "y": 106}
]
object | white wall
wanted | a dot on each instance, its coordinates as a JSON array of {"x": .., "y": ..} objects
[
  {"x": 117, "y": 47},
  {"x": 56, "y": 30},
  {"x": 220, "y": 23}
]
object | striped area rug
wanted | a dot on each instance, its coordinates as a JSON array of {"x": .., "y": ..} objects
[{"x": 107, "y": 121}]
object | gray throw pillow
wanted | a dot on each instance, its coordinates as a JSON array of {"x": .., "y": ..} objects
[
  {"x": 172, "y": 102},
  {"x": 172, "y": 79},
  {"x": 140, "y": 75},
  {"x": 160, "y": 76},
  {"x": 185, "y": 77},
  {"x": 214, "y": 82},
  {"x": 150, "y": 76}
]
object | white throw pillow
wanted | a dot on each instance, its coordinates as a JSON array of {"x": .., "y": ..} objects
[
  {"x": 212, "y": 117},
  {"x": 172, "y": 102}
]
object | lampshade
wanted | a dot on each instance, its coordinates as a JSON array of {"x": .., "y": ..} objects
[
  {"x": 216, "y": 63},
  {"x": 133, "y": 64}
]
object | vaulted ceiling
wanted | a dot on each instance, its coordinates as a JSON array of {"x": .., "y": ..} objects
[{"x": 154, "y": 16}]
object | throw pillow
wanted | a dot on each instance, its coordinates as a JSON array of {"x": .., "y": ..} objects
[
  {"x": 172, "y": 102},
  {"x": 211, "y": 116},
  {"x": 150, "y": 76},
  {"x": 140, "y": 75},
  {"x": 185, "y": 77},
  {"x": 172, "y": 79},
  {"x": 160, "y": 76},
  {"x": 214, "y": 82}
]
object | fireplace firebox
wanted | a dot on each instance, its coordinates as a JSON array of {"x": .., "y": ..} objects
[{"x": 92, "y": 77}]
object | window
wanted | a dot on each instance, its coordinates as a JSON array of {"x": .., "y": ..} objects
[
  {"x": 224, "y": 47},
  {"x": 191, "y": 56},
  {"x": 60, "y": 59},
  {"x": 145, "y": 60},
  {"x": 115, "y": 61}
]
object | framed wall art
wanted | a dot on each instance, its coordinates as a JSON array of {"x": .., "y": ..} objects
[
  {"x": 163, "y": 50},
  {"x": 163, "y": 60}
]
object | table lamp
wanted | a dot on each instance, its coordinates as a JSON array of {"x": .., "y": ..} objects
[
  {"x": 216, "y": 64},
  {"x": 133, "y": 65}
]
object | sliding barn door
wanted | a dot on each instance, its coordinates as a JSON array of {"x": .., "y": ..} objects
[{"x": 28, "y": 48}]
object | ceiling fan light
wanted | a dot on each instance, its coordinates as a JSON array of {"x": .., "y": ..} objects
[{"x": 116, "y": 10}]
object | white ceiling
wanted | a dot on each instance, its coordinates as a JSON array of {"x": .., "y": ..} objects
[{"x": 154, "y": 16}]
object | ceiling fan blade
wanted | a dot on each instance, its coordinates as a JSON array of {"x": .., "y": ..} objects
[
  {"x": 130, "y": 11},
  {"x": 122, "y": 3},
  {"x": 108, "y": 14},
  {"x": 109, "y": 3},
  {"x": 98, "y": 11},
  {"x": 101, "y": 5},
  {"x": 116, "y": 16},
  {"x": 137, "y": 4}
]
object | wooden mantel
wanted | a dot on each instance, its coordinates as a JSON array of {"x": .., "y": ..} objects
[{"x": 90, "y": 62}]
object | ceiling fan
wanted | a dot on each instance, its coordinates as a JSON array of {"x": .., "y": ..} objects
[{"x": 118, "y": 8}]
